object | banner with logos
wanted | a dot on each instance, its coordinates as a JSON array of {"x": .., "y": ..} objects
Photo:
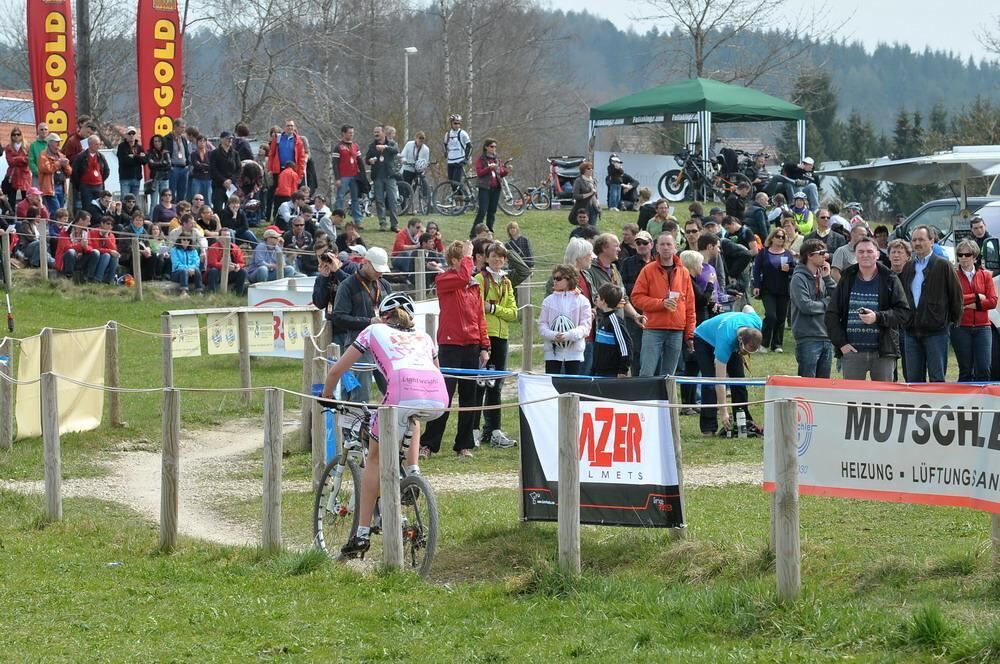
[
  {"x": 628, "y": 471},
  {"x": 51, "y": 64},
  {"x": 931, "y": 443},
  {"x": 159, "y": 46}
]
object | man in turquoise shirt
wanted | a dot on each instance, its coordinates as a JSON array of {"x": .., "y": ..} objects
[{"x": 720, "y": 343}]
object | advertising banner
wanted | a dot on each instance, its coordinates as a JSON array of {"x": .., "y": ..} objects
[
  {"x": 223, "y": 334},
  {"x": 51, "y": 64},
  {"x": 930, "y": 443},
  {"x": 628, "y": 471},
  {"x": 159, "y": 66},
  {"x": 186, "y": 341}
]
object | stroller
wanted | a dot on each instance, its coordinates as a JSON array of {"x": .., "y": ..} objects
[
  {"x": 248, "y": 186},
  {"x": 562, "y": 172}
]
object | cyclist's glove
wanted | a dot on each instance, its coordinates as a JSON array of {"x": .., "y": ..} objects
[{"x": 328, "y": 404}]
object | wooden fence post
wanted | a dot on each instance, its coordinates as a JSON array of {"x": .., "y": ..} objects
[
  {"x": 137, "y": 267},
  {"x": 6, "y": 395},
  {"x": 168, "y": 350},
  {"x": 569, "y": 484},
  {"x": 527, "y": 325},
  {"x": 243, "y": 334},
  {"x": 271, "y": 527},
  {"x": 227, "y": 260},
  {"x": 305, "y": 417},
  {"x": 788, "y": 557},
  {"x": 170, "y": 469},
  {"x": 52, "y": 452},
  {"x": 45, "y": 351},
  {"x": 420, "y": 278},
  {"x": 42, "y": 228},
  {"x": 5, "y": 257},
  {"x": 388, "y": 462},
  {"x": 673, "y": 396},
  {"x": 280, "y": 264},
  {"x": 318, "y": 437},
  {"x": 112, "y": 374}
]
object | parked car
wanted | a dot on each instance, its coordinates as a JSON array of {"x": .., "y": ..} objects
[{"x": 943, "y": 214}]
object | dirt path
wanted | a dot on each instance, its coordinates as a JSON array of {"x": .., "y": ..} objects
[{"x": 211, "y": 460}]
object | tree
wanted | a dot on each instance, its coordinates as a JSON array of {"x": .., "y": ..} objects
[
  {"x": 858, "y": 145},
  {"x": 814, "y": 92},
  {"x": 908, "y": 140}
]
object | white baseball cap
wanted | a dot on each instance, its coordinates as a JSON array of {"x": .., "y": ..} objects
[
  {"x": 358, "y": 250},
  {"x": 808, "y": 160},
  {"x": 379, "y": 259}
]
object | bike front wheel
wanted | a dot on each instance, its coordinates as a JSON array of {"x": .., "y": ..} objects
[
  {"x": 420, "y": 523},
  {"x": 405, "y": 197},
  {"x": 511, "y": 201},
  {"x": 450, "y": 199},
  {"x": 540, "y": 200},
  {"x": 335, "y": 507},
  {"x": 673, "y": 185}
]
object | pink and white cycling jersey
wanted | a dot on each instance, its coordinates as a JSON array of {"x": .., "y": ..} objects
[{"x": 406, "y": 359}]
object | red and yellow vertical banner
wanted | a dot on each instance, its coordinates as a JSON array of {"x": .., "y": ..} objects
[
  {"x": 52, "y": 64},
  {"x": 160, "y": 69}
]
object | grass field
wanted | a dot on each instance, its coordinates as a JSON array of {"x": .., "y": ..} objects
[{"x": 881, "y": 581}]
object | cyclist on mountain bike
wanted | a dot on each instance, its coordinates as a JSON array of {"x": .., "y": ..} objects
[{"x": 408, "y": 360}]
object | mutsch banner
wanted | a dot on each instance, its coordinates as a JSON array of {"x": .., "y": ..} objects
[
  {"x": 934, "y": 443},
  {"x": 628, "y": 471},
  {"x": 52, "y": 65},
  {"x": 160, "y": 67}
]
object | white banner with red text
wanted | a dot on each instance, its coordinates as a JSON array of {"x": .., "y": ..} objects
[
  {"x": 922, "y": 443},
  {"x": 628, "y": 471}
]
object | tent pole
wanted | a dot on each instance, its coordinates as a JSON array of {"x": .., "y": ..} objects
[{"x": 801, "y": 126}]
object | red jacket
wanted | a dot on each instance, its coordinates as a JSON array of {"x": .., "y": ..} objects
[
  {"x": 106, "y": 243},
  {"x": 17, "y": 167},
  {"x": 462, "y": 321},
  {"x": 288, "y": 183},
  {"x": 651, "y": 289},
  {"x": 488, "y": 178},
  {"x": 64, "y": 244},
  {"x": 214, "y": 258},
  {"x": 982, "y": 282},
  {"x": 402, "y": 239},
  {"x": 274, "y": 161}
]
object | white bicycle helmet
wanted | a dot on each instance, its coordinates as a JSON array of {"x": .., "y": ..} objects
[
  {"x": 454, "y": 117},
  {"x": 395, "y": 301},
  {"x": 562, "y": 325}
]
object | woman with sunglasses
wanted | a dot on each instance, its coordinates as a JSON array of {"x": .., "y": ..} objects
[
  {"x": 772, "y": 272},
  {"x": 18, "y": 174},
  {"x": 564, "y": 323},
  {"x": 158, "y": 160},
  {"x": 972, "y": 338}
]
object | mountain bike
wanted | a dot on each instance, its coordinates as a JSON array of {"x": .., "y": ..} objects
[
  {"x": 453, "y": 198},
  {"x": 675, "y": 184},
  {"x": 337, "y": 500},
  {"x": 369, "y": 207},
  {"x": 511, "y": 200},
  {"x": 418, "y": 197},
  {"x": 537, "y": 198}
]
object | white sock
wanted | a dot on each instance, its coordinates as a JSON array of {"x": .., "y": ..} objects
[
  {"x": 364, "y": 532},
  {"x": 413, "y": 470}
]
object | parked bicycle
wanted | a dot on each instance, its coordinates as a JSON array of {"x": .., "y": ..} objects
[
  {"x": 537, "y": 198},
  {"x": 335, "y": 506},
  {"x": 453, "y": 198},
  {"x": 691, "y": 177}
]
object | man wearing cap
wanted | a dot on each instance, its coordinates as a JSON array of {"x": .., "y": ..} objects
[
  {"x": 90, "y": 170},
  {"x": 223, "y": 167},
  {"x": 53, "y": 169},
  {"x": 130, "y": 158},
  {"x": 32, "y": 198},
  {"x": 354, "y": 309},
  {"x": 264, "y": 264},
  {"x": 630, "y": 269},
  {"x": 796, "y": 177},
  {"x": 37, "y": 147},
  {"x": 614, "y": 182}
]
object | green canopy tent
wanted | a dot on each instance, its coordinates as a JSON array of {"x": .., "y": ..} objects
[{"x": 698, "y": 102}]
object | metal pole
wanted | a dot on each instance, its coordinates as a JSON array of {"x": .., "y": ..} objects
[{"x": 406, "y": 96}]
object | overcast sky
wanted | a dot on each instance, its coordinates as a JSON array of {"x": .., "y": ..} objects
[{"x": 941, "y": 25}]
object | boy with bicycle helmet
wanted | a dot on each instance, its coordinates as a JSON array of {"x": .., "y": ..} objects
[{"x": 408, "y": 360}]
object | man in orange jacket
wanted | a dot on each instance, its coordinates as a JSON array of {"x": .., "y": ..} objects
[{"x": 663, "y": 293}]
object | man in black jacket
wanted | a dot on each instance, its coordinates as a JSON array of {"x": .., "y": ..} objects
[
  {"x": 935, "y": 295},
  {"x": 354, "y": 307},
  {"x": 223, "y": 167},
  {"x": 864, "y": 316},
  {"x": 756, "y": 216},
  {"x": 380, "y": 158},
  {"x": 131, "y": 156}
]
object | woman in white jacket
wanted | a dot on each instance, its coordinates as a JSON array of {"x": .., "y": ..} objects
[{"x": 564, "y": 323}]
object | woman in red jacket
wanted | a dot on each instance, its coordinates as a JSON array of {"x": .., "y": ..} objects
[
  {"x": 18, "y": 176},
  {"x": 462, "y": 344},
  {"x": 490, "y": 171},
  {"x": 972, "y": 338}
]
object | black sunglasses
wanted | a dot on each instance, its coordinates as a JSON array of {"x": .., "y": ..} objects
[
  {"x": 779, "y": 237},
  {"x": 818, "y": 253},
  {"x": 643, "y": 242},
  {"x": 558, "y": 278},
  {"x": 965, "y": 255}
]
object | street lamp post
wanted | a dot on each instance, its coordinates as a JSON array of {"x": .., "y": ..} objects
[{"x": 407, "y": 52}]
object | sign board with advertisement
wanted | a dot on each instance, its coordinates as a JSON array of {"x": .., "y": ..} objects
[
  {"x": 297, "y": 292},
  {"x": 628, "y": 470},
  {"x": 933, "y": 444},
  {"x": 646, "y": 168}
]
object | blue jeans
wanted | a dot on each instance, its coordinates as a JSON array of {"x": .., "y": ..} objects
[
  {"x": 133, "y": 187},
  {"x": 237, "y": 279},
  {"x": 814, "y": 357},
  {"x": 104, "y": 269},
  {"x": 53, "y": 203},
  {"x": 926, "y": 357},
  {"x": 349, "y": 184},
  {"x": 264, "y": 273},
  {"x": 34, "y": 254},
  {"x": 88, "y": 262},
  {"x": 661, "y": 351},
  {"x": 385, "y": 200},
  {"x": 84, "y": 195},
  {"x": 974, "y": 351},
  {"x": 187, "y": 278},
  {"x": 588, "y": 359},
  {"x": 203, "y": 187},
  {"x": 614, "y": 195},
  {"x": 179, "y": 182}
]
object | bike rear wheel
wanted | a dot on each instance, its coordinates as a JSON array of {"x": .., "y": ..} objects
[
  {"x": 511, "y": 201},
  {"x": 335, "y": 507},
  {"x": 420, "y": 523},
  {"x": 540, "y": 200},
  {"x": 405, "y": 197},
  {"x": 450, "y": 199},
  {"x": 673, "y": 185}
]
